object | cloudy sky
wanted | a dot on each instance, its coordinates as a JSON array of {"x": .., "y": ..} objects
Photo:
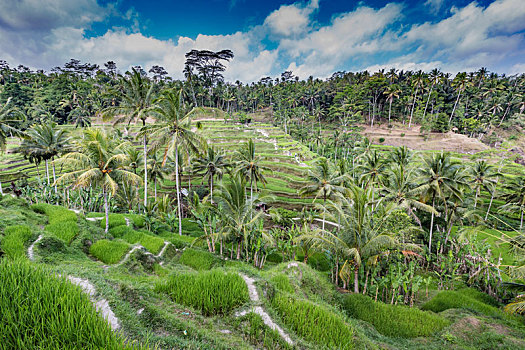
[{"x": 315, "y": 37}]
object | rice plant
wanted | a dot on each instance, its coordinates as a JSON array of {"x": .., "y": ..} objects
[
  {"x": 281, "y": 282},
  {"x": 55, "y": 213},
  {"x": 313, "y": 322},
  {"x": 198, "y": 259},
  {"x": 449, "y": 299},
  {"x": 13, "y": 242},
  {"x": 393, "y": 320},
  {"x": 114, "y": 221},
  {"x": 152, "y": 243},
  {"x": 109, "y": 252},
  {"x": 47, "y": 312},
  {"x": 64, "y": 230},
  {"x": 211, "y": 292}
]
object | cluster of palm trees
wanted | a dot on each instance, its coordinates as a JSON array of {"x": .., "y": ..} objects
[{"x": 437, "y": 192}]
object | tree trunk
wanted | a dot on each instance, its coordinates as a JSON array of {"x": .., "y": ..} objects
[
  {"x": 54, "y": 175},
  {"x": 1, "y": 191},
  {"x": 521, "y": 220},
  {"x": 356, "y": 280},
  {"x": 490, "y": 204},
  {"x": 106, "y": 209},
  {"x": 476, "y": 197},
  {"x": 145, "y": 170},
  {"x": 454, "y": 109},
  {"x": 428, "y": 100},
  {"x": 179, "y": 204},
  {"x": 155, "y": 188},
  {"x": 413, "y": 106},
  {"x": 47, "y": 173},
  {"x": 389, "y": 111},
  {"x": 431, "y": 228}
]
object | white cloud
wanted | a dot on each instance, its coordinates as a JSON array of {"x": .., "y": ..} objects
[
  {"x": 434, "y": 5},
  {"x": 291, "y": 20}
]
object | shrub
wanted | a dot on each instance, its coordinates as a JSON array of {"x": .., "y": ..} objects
[
  {"x": 314, "y": 322},
  {"x": 109, "y": 252},
  {"x": 51, "y": 245},
  {"x": 64, "y": 230},
  {"x": 190, "y": 228},
  {"x": 393, "y": 320},
  {"x": 13, "y": 243},
  {"x": 402, "y": 134},
  {"x": 479, "y": 296},
  {"x": 449, "y": 299},
  {"x": 198, "y": 259},
  {"x": 114, "y": 220},
  {"x": 46, "y": 312},
  {"x": 211, "y": 292},
  {"x": 138, "y": 220},
  {"x": 381, "y": 139}
]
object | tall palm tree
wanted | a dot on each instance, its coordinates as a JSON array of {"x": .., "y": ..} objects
[
  {"x": 515, "y": 197},
  {"x": 460, "y": 83},
  {"x": 98, "y": 162},
  {"x": 137, "y": 94},
  {"x": 483, "y": 176},
  {"x": 213, "y": 163},
  {"x": 434, "y": 78},
  {"x": 9, "y": 116},
  {"x": 391, "y": 92},
  {"x": 324, "y": 182},
  {"x": 156, "y": 172},
  {"x": 438, "y": 178},
  {"x": 361, "y": 233},
  {"x": 249, "y": 165},
  {"x": 173, "y": 132},
  {"x": 417, "y": 82},
  {"x": 45, "y": 142}
]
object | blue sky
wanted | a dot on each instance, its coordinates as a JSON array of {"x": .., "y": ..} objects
[{"x": 310, "y": 37}]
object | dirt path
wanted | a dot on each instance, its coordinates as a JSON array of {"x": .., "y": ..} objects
[
  {"x": 254, "y": 297},
  {"x": 101, "y": 305},
  {"x": 31, "y": 249}
]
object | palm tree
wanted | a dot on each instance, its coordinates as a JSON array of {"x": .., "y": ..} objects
[
  {"x": 515, "y": 197},
  {"x": 417, "y": 82},
  {"x": 460, "y": 82},
  {"x": 249, "y": 165},
  {"x": 361, "y": 233},
  {"x": 391, "y": 92},
  {"x": 434, "y": 78},
  {"x": 137, "y": 100},
  {"x": 438, "y": 177},
  {"x": 98, "y": 162},
  {"x": 324, "y": 181},
  {"x": 45, "y": 142},
  {"x": 173, "y": 132},
  {"x": 213, "y": 163},
  {"x": 156, "y": 172},
  {"x": 9, "y": 116},
  {"x": 483, "y": 176}
]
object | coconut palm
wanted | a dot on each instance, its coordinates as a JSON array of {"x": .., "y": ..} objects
[
  {"x": 137, "y": 94},
  {"x": 324, "y": 182},
  {"x": 417, "y": 82},
  {"x": 434, "y": 78},
  {"x": 361, "y": 233},
  {"x": 460, "y": 83},
  {"x": 156, "y": 171},
  {"x": 391, "y": 92},
  {"x": 483, "y": 176},
  {"x": 439, "y": 177},
  {"x": 172, "y": 133},
  {"x": 515, "y": 197},
  {"x": 9, "y": 117},
  {"x": 249, "y": 166},
  {"x": 213, "y": 163},
  {"x": 45, "y": 142},
  {"x": 98, "y": 162}
]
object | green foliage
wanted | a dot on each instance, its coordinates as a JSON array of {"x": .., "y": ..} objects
[
  {"x": 190, "y": 228},
  {"x": 393, "y": 320},
  {"x": 114, "y": 220},
  {"x": 479, "y": 296},
  {"x": 260, "y": 334},
  {"x": 449, "y": 299},
  {"x": 381, "y": 139},
  {"x": 152, "y": 243},
  {"x": 138, "y": 220},
  {"x": 119, "y": 231},
  {"x": 198, "y": 259},
  {"x": 46, "y": 312},
  {"x": 109, "y": 252},
  {"x": 211, "y": 292},
  {"x": 51, "y": 245},
  {"x": 440, "y": 124},
  {"x": 65, "y": 230},
  {"x": 13, "y": 242},
  {"x": 55, "y": 213},
  {"x": 314, "y": 322},
  {"x": 281, "y": 282}
]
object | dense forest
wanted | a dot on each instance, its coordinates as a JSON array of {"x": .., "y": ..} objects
[{"x": 263, "y": 178}]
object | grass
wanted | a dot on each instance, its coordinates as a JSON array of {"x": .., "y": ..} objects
[
  {"x": 314, "y": 322},
  {"x": 114, "y": 220},
  {"x": 211, "y": 292},
  {"x": 13, "y": 242},
  {"x": 64, "y": 230},
  {"x": 198, "y": 259},
  {"x": 46, "y": 312},
  {"x": 393, "y": 320},
  {"x": 152, "y": 243},
  {"x": 281, "y": 282},
  {"x": 260, "y": 334},
  {"x": 55, "y": 213},
  {"x": 109, "y": 252}
]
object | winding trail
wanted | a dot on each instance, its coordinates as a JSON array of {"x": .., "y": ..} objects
[
  {"x": 254, "y": 297},
  {"x": 31, "y": 249},
  {"x": 139, "y": 246}
]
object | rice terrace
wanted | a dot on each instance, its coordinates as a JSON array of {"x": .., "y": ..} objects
[{"x": 300, "y": 174}]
